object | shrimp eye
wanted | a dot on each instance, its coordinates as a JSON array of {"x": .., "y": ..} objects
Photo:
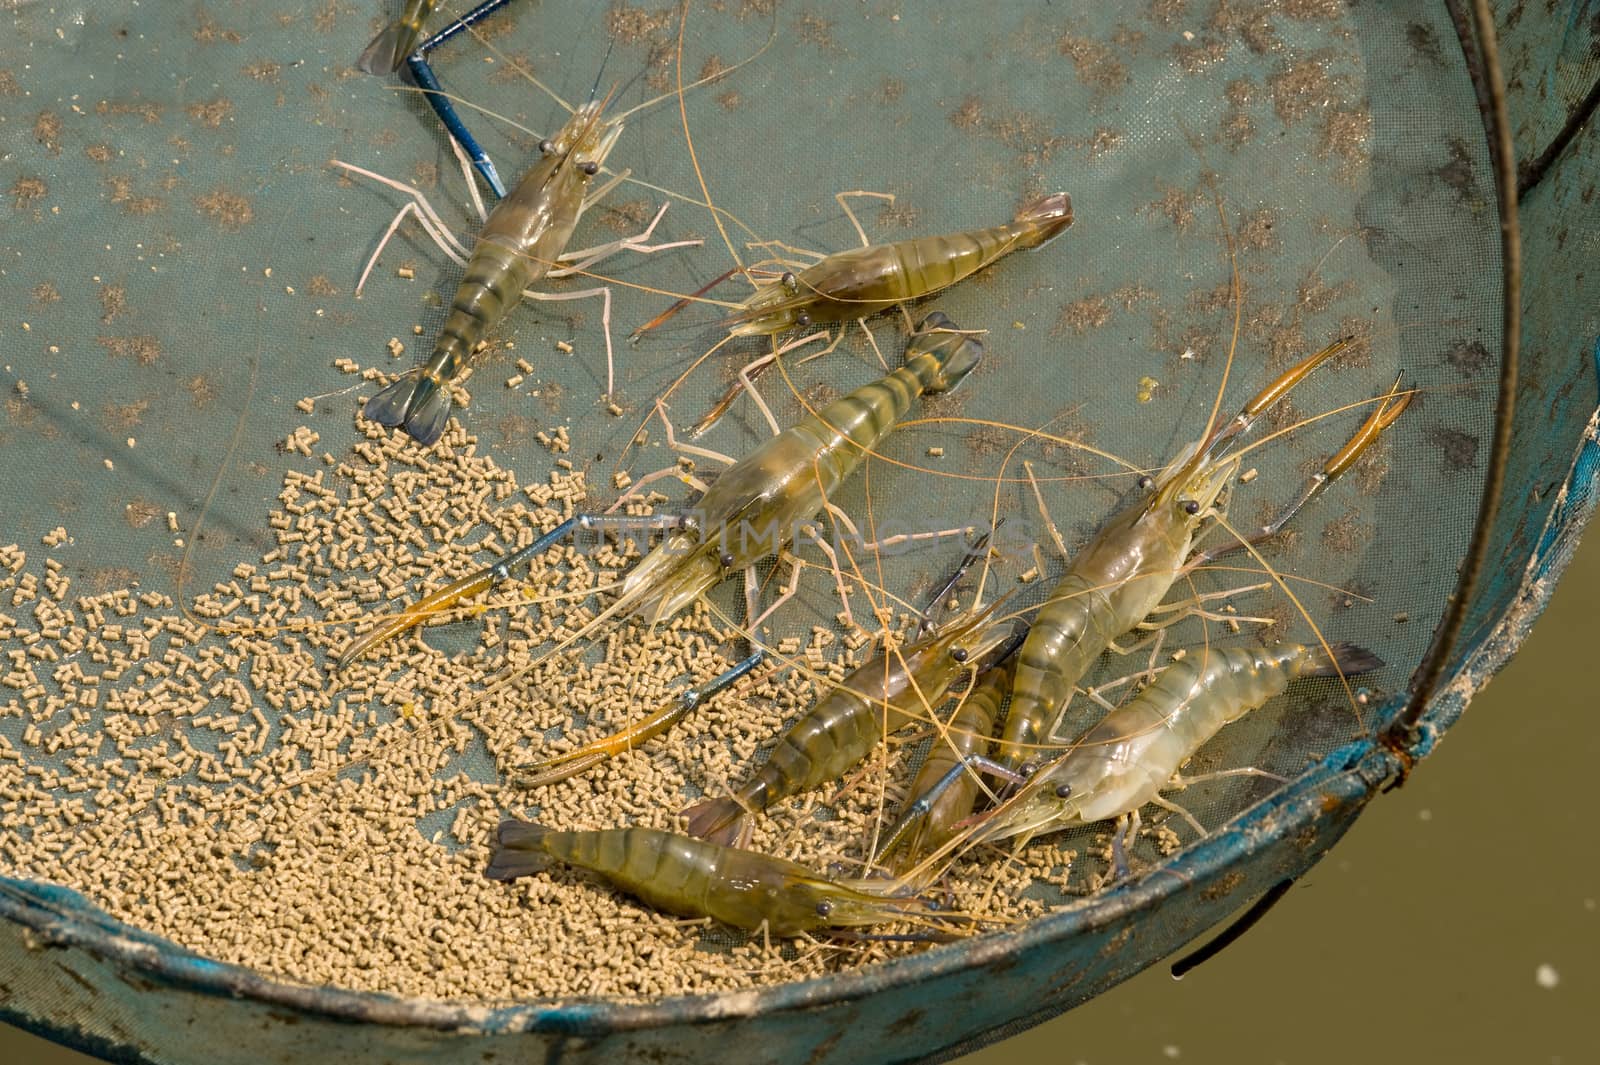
[
  {"x": 790, "y": 282},
  {"x": 959, "y": 654},
  {"x": 1063, "y": 791},
  {"x": 1191, "y": 506},
  {"x": 1147, "y": 482},
  {"x": 547, "y": 146},
  {"x": 803, "y": 320},
  {"x": 725, "y": 559},
  {"x": 1028, "y": 769},
  {"x": 591, "y": 168},
  {"x": 824, "y": 908}
]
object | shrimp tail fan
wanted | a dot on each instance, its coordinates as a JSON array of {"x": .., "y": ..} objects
[
  {"x": 1341, "y": 659},
  {"x": 518, "y": 850},
  {"x": 388, "y": 50},
  {"x": 1049, "y": 216},
  {"x": 415, "y": 402},
  {"x": 716, "y": 820}
]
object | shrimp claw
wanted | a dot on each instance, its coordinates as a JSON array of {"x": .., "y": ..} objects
[
  {"x": 1389, "y": 408},
  {"x": 495, "y": 573},
  {"x": 581, "y": 760},
  {"x": 417, "y": 64}
]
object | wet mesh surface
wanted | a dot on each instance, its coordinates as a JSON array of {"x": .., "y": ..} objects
[{"x": 174, "y": 231}]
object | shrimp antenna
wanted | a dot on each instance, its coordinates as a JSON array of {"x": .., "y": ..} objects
[
  {"x": 772, "y": 35},
  {"x": 978, "y": 550},
  {"x": 594, "y": 90}
]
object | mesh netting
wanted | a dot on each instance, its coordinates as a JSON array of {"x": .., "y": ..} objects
[{"x": 180, "y": 262}]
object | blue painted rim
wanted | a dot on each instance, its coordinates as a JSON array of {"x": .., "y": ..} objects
[{"x": 66, "y": 917}]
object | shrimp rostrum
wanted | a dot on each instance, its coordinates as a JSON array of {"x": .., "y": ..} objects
[
  {"x": 693, "y": 878},
  {"x": 753, "y": 508},
  {"x": 1125, "y": 571}
]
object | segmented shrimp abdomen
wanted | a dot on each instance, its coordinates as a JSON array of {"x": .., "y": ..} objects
[
  {"x": 933, "y": 263},
  {"x": 1068, "y": 634},
  {"x": 496, "y": 276},
  {"x": 835, "y": 734},
  {"x": 854, "y": 424},
  {"x": 863, "y": 281},
  {"x": 664, "y": 869}
]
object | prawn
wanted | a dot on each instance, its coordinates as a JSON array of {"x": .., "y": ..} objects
[
  {"x": 863, "y": 281},
  {"x": 1136, "y": 750},
  {"x": 847, "y": 723},
  {"x": 753, "y": 508},
  {"x": 945, "y": 787},
  {"x": 693, "y": 878},
  {"x": 1114, "y": 583},
  {"x": 524, "y": 236}
]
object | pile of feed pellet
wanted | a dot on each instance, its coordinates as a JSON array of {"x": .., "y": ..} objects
[{"x": 200, "y": 771}]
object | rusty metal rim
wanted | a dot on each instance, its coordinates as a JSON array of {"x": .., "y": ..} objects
[{"x": 1481, "y": 56}]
